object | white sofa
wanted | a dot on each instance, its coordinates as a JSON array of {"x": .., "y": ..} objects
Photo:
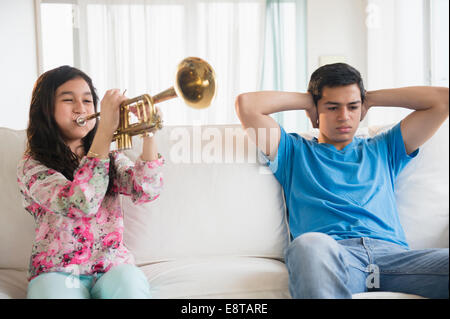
[{"x": 218, "y": 229}]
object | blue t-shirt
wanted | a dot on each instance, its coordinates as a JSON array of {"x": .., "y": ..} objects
[{"x": 347, "y": 193}]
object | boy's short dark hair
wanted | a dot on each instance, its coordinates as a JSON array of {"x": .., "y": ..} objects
[{"x": 333, "y": 75}]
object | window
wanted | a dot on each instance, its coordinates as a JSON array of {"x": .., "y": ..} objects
[
  {"x": 407, "y": 46},
  {"x": 251, "y": 44},
  {"x": 439, "y": 42},
  {"x": 57, "y": 35},
  {"x": 136, "y": 45}
]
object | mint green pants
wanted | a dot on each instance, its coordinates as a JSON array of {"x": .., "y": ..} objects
[{"x": 120, "y": 282}]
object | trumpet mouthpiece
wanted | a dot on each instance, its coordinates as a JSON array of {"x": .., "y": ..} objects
[{"x": 81, "y": 121}]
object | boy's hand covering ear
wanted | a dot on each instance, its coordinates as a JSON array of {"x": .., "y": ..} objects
[
  {"x": 365, "y": 106},
  {"x": 311, "y": 112}
]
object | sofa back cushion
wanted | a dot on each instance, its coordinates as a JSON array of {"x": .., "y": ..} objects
[
  {"x": 218, "y": 199},
  {"x": 16, "y": 225},
  {"x": 422, "y": 193}
]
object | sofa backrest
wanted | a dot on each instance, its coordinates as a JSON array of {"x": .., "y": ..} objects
[
  {"x": 422, "y": 193},
  {"x": 16, "y": 225},
  {"x": 219, "y": 199}
]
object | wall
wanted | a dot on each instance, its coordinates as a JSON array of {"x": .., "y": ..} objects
[
  {"x": 17, "y": 61},
  {"x": 337, "y": 28}
]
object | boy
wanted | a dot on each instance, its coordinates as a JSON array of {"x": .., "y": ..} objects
[{"x": 339, "y": 189}]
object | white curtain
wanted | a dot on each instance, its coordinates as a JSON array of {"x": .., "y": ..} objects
[
  {"x": 439, "y": 28},
  {"x": 285, "y": 55},
  {"x": 136, "y": 45},
  {"x": 406, "y": 46},
  {"x": 252, "y": 45}
]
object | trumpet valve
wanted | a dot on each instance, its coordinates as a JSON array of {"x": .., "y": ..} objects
[{"x": 123, "y": 141}]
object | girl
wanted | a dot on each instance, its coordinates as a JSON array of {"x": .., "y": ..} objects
[{"x": 70, "y": 184}]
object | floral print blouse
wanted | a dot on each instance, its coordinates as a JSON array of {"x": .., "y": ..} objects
[{"x": 79, "y": 229}]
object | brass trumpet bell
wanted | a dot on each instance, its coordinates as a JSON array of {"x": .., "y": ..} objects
[{"x": 195, "y": 84}]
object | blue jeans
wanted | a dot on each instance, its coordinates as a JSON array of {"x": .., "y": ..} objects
[
  {"x": 120, "y": 282},
  {"x": 321, "y": 267}
]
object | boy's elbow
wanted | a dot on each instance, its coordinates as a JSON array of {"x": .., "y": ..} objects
[
  {"x": 241, "y": 104},
  {"x": 442, "y": 93},
  {"x": 445, "y": 94}
]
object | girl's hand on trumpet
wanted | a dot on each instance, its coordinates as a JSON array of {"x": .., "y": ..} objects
[
  {"x": 110, "y": 111},
  {"x": 149, "y": 149},
  {"x": 135, "y": 112},
  {"x": 159, "y": 116},
  {"x": 108, "y": 124}
]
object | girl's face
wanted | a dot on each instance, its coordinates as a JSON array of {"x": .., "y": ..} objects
[{"x": 72, "y": 99}]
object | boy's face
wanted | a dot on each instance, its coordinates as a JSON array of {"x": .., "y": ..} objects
[{"x": 339, "y": 112}]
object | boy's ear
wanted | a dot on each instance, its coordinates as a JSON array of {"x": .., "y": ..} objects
[
  {"x": 364, "y": 108},
  {"x": 363, "y": 114},
  {"x": 313, "y": 116}
]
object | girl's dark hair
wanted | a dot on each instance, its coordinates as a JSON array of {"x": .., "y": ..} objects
[
  {"x": 44, "y": 140},
  {"x": 333, "y": 75}
]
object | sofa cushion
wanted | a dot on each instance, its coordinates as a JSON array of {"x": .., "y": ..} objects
[
  {"x": 385, "y": 295},
  {"x": 213, "y": 277},
  {"x": 218, "y": 277},
  {"x": 231, "y": 277},
  {"x": 225, "y": 203},
  {"x": 422, "y": 192},
  {"x": 16, "y": 225},
  {"x": 13, "y": 284}
]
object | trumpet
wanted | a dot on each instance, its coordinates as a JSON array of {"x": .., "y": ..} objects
[{"x": 195, "y": 84}]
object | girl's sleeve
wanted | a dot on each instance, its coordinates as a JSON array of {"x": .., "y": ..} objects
[
  {"x": 52, "y": 191},
  {"x": 142, "y": 180}
]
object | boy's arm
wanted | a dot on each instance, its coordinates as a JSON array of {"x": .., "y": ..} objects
[
  {"x": 430, "y": 105},
  {"x": 254, "y": 108}
]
